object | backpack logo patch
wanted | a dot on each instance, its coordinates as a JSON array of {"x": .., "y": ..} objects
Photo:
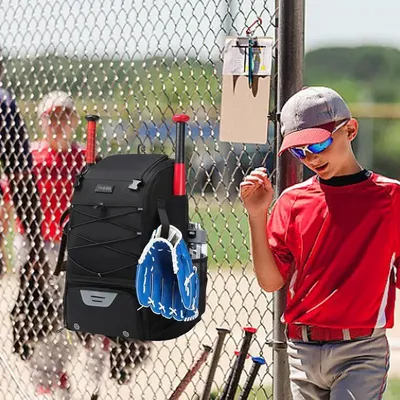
[{"x": 102, "y": 188}]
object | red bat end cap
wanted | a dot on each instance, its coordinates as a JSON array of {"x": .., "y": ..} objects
[
  {"x": 250, "y": 329},
  {"x": 180, "y": 118}
]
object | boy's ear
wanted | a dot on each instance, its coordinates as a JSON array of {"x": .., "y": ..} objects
[{"x": 352, "y": 129}]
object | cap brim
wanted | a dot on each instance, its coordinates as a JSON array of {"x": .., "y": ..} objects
[
  {"x": 56, "y": 107},
  {"x": 303, "y": 138}
]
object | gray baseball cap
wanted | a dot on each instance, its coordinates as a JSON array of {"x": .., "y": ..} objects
[{"x": 310, "y": 116}]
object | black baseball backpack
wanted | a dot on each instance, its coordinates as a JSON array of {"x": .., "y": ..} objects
[{"x": 117, "y": 204}]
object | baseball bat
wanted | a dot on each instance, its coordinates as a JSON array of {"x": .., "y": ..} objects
[
  {"x": 225, "y": 392},
  {"x": 222, "y": 332},
  {"x": 257, "y": 362},
  {"x": 179, "y": 185},
  {"x": 95, "y": 395},
  {"x": 91, "y": 138},
  {"x": 191, "y": 373},
  {"x": 238, "y": 368}
]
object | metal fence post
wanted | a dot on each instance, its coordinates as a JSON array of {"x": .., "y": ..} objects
[{"x": 289, "y": 170}]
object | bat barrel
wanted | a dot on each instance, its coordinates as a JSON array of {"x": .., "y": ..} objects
[
  {"x": 179, "y": 187},
  {"x": 257, "y": 362},
  {"x": 222, "y": 332},
  {"x": 191, "y": 373},
  {"x": 248, "y": 334},
  {"x": 180, "y": 142},
  {"x": 91, "y": 138},
  {"x": 229, "y": 380}
]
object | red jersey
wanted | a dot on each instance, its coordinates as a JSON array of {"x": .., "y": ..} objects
[
  {"x": 55, "y": 173},
  {"x": 338, "y": 247}
]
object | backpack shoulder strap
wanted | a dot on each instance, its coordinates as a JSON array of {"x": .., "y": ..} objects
[{"x": 60, "y": 266}]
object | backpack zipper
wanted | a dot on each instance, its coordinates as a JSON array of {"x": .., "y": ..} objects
[{"x": 80, "y": 176}]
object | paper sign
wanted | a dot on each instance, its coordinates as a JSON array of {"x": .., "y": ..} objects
[
  {"x": 236, "y": 56},
  {"x": 245, "y": 109}
]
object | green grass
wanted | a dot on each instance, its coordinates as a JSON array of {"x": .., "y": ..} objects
[
  {"x": 151, "y": 89},
  {"x": 226, "y": 226},
  {"x": 256, "y": 394},
  {"x": 227, "y": 229},
  {"x": 392, "y": 392}
]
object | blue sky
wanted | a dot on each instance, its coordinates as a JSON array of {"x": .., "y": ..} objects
[{"x": 352, "y": 22}]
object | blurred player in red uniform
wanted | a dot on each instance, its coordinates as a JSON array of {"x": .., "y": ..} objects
[{"x": 57, "y": 158}]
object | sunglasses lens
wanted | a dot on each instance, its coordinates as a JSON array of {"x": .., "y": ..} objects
[
  {"x": 315, "y": 148},
  {"x": 298, "y": 153},
  {"x": 320, "y": 147}
]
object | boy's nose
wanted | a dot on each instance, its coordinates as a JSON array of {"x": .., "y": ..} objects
[{"x": 311, "y": 157}]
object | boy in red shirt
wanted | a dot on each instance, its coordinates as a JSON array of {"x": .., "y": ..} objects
[{"x": 335, "y": 240}]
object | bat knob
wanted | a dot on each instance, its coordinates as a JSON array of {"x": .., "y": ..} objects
[
  {"x": 208, "y": 348},
  {"x": 250, "y": 329},
  {"x": 258, "y": 360},
  {"x": 92, "y": 117},
  {"x": 180, "y": 118}
]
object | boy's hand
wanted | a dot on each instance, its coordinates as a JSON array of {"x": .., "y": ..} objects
[{"x": 257, "y": 193}]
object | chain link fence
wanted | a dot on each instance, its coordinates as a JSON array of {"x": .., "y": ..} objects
[{"x": 135, "y": 64}]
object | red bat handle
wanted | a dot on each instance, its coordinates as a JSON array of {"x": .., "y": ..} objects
[
  {"x": 91, "y": 138},
  {"x": 179, "y": 180},
  {"x": 179, "y": 185}
]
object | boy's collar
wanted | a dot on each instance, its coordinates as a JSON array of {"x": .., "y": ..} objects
[{"x": 345, "y": 180}]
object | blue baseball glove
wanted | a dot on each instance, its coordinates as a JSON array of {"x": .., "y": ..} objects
[{"x": 166, "y": 280}]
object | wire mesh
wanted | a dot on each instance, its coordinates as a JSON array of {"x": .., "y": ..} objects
[{"x": 135, "y": 64}]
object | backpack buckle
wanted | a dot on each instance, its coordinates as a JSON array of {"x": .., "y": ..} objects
[
  {"x": 78, "y": 181},
  {"x": 135, "y": 184},
  {"x": 79, "y": 177}
]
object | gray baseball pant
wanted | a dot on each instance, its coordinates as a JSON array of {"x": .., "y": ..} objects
[{"x": 348, "y": 370}]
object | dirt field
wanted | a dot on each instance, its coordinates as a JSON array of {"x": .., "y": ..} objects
[{"x": 234, "y": 300}]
